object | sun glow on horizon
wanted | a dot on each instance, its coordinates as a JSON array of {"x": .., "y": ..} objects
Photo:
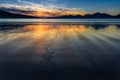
[
  {"x": 40, "y": 10},
  {"x": 49, "y": 8}
]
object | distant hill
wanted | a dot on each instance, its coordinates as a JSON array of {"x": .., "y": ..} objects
[
  {"x": 4, "y": 14},
  {"x": 118, "y": 16},
  {"x": 98, "y": 15},
  {"x": 95, "y": 15}
]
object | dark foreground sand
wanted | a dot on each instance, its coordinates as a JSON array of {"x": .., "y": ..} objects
[{"x": 60, "y": 52}]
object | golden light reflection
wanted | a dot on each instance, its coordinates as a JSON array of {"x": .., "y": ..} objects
[
  {"x": 51, "y": 47},
  {"x": 53, "y": 30},
  {"x": 60, "y": 36}
]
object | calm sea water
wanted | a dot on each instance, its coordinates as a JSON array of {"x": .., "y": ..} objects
[
  {"x": 60, "y": 49},
  {"x": 61, "y": 20}
]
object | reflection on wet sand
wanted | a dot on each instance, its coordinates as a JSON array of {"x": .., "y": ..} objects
[{"x": 60, "y": 51}]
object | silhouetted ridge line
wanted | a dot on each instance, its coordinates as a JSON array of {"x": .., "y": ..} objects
[{"x": 4, "y": 14}]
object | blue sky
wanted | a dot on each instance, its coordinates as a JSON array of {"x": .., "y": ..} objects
[{"x": 89, "y": 6}]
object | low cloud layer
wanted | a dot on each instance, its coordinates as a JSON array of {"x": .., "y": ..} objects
[{"x": 40, "y": 10}]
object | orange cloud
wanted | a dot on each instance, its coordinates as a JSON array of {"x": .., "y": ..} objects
[
  {"x": 40, "y": 10},
  {"x": 55, "y": 13}
]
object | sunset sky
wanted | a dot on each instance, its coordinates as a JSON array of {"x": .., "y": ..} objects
[{"x": 47, "y": 8}]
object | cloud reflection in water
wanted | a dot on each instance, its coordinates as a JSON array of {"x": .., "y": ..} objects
[{"x": 60, "y": 51}]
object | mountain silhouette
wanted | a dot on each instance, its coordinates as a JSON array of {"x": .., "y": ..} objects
[
  {"x": 95, "y": 15},
  {"x": 98, "y": 15},
  {"x": 117, "y": 16},
  {"x": 4, "y": 14}
]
